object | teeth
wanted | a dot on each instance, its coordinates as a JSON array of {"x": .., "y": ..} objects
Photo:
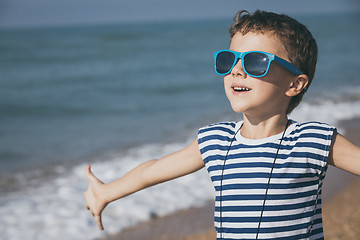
[{"x": 241, "y": 89}]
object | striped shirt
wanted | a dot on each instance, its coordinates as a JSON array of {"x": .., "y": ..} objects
[{"x": 292, "y": 208}]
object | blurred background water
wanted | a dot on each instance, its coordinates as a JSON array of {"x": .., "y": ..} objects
[{"x": 116, "y": 95}]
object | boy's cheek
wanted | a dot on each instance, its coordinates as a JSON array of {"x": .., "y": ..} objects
[
  {"x": 227, "y": 83},
  {"x": 228, "y": 91}
]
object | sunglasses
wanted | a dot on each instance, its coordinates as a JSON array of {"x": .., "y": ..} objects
[{"x": 254, "y": 63}]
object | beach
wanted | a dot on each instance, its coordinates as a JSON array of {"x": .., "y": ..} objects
[
  {"x": 115, "y": 96},
  {"x": 341, "y": 214}
]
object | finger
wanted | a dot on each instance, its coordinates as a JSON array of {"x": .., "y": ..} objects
[
  {"x": 90, "y": 176},
  {"x": 88, "y": 172},
  {"x": 99, "y": 222}
]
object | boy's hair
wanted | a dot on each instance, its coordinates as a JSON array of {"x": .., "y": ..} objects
[{"x": 299, "y": 43}]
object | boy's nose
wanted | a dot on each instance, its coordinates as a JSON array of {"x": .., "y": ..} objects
[{"x": 238, "y": 69}]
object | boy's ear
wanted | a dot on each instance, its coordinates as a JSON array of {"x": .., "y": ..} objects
[{"x": 297, "y": 85}]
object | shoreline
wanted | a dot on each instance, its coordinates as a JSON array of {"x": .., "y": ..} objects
[
  {"x": 340, "y": 217},
  {"x": 194, "y": 221}
]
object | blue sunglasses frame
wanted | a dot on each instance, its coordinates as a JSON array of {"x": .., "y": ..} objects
[{"x": 272, "y": 57}]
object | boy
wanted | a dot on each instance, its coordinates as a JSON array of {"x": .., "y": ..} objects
[{"x": 267, "y": 170}]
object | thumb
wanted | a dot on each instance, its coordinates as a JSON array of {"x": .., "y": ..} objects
[{"x": 90, "y": 176}]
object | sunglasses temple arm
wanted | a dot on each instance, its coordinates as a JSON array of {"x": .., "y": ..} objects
[{"x": 289, "y": 66}]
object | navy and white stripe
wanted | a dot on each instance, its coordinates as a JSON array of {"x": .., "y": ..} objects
[{"x": 293, "y": 204}]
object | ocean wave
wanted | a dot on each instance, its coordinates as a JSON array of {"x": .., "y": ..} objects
[
  {"x": 334, "y": 95},
  {"x": 330, "y": 111},
  {"x": 55, "y": 209}
]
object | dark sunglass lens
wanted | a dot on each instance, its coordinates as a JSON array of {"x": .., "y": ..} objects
[
  {"x": 224, "y": 62},
  {"x": 256, "y": 63}
]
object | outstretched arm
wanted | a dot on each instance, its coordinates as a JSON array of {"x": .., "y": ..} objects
[
  {"x": 183, "y": 162},
  {"x": 345, "y": 155}
]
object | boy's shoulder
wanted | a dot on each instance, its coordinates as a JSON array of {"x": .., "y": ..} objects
[
  {"x": 227, "y": 126},
  {"x": 312, "y": 131},
  {"x": 221, "y": 133},
  {"x": 316, "y": 125}
]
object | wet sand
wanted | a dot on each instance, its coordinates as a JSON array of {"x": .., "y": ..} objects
[
  {"x": 176, "y": 226},
  {"x": 341, "y": 210}
]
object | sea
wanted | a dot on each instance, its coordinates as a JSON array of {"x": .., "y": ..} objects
[{"x": 117, "y": 95}]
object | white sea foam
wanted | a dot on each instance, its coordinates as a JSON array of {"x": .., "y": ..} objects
[
  {"x": 330, "y": 112},
  {"x": 56, "y": 210}
]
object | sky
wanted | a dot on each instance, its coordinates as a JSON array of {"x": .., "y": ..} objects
[{"x": 34, "y": 13}]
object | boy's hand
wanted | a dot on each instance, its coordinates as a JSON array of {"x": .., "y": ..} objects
[
  {"x": 95, "y": 197},
  {"x": 183, "y": 162}
]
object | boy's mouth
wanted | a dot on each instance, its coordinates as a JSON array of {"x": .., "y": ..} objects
[{"x": 241, "y": 89}]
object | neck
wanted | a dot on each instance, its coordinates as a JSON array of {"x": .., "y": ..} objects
[{"x": 258, "y": 128}]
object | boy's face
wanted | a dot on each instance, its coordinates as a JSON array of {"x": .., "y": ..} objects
[{"x": 263, "y": 96}]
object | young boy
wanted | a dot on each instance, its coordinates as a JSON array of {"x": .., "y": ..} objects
[{"x": 267, "y": 170}]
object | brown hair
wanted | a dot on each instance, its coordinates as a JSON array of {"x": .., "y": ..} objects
[{"x": 298, "y": 41}]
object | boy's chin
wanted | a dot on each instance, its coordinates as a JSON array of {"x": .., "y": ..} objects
[{"x": 237, "y": 108}]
